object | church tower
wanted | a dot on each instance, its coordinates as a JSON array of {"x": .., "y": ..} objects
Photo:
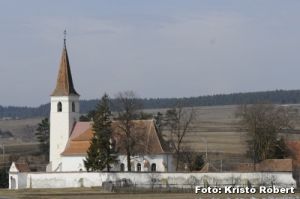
[{"x": 64, "y": 111}]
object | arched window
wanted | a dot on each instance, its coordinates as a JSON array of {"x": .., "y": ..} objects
[
  {"x": 122, "y": 167},
  {"x": 153, "y": 167},
  {"x": 73, "y": 107},
  {"x": 59, "y": 107},
  {"x": 138, "y": 167}
]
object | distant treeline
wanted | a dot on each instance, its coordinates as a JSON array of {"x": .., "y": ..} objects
[{"x": 277, "y": 96}]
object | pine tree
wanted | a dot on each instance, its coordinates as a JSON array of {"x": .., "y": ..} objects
[
  {"x": 3, "y": 178},
  {"x": 101, "y": 154},
  {"x": 42, "y": 135},
  {"x": 92, "y": 161}
]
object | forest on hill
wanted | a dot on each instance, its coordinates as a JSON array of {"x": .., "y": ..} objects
[{"x": 277, "y": 97}]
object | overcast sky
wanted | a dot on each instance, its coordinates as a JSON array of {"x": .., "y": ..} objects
[{"x": 158, "y": 48}]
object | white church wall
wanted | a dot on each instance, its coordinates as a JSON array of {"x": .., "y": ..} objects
[
  {"x": 91, "y": 179},
  {"x": 164, "y": 162},
  {"x": 61, "y": 124},
  {"x": 73, "y": 163},
  {"x": 146, "y": 161},
  {"x": 170, "y": 162}
]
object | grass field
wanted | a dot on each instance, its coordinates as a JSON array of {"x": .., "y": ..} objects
[
  {"x": 85, "y": 193},
  {"x": 23, "y": 129},
  {"x": 220, "y": 127}
]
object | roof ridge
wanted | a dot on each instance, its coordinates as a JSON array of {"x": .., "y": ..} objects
[{"x": 159, "y": 141}]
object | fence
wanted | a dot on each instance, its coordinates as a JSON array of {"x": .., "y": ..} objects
[
  {"x": 227, "y": 165},
  {"x": 159, "y": 188}
]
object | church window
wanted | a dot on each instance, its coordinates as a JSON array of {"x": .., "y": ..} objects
[
  {"x": 122, "y": 167},
  {"x": 73, "y": 107},
  {"x": 153, "y": 167},
  {"x": 59, "y": 107},
  {"x": 138, "y": 167}
]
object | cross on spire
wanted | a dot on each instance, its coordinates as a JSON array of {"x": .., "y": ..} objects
[{"x": 65, "y": 37}]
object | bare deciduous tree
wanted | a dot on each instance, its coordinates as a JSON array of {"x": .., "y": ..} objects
[
  {"x": 128, "y": 106},
  {"x": 263, "y": 122},
  {"x": 179, "y": 120}
]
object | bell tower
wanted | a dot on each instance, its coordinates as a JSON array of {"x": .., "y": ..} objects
[{"x": 64, "y": 111}]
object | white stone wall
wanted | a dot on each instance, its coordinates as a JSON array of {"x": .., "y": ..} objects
[
  {"x": 18, "y": 180},
  {"x": 13, "y": 181},
  {"x": 91, "y": 179},
  {"x": 61, "y": 124}
]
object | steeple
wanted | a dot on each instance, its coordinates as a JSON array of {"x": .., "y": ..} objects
[{"x": 64, "y": 83}]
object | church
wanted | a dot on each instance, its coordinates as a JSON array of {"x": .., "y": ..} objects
[{"x": 70, "y": 138}]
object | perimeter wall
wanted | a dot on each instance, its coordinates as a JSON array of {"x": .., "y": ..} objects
[{"x": 93, "y": 179}]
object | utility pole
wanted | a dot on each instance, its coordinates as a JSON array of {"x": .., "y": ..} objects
[
  {"x": 221, "y": 165},
  {"x": 3, "y": 152},
  {"x": 205, "y": 140}
]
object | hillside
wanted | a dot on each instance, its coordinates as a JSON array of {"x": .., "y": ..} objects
[
  {"x": 217, "y": 124},
  {"x": 277, "y": 96}
]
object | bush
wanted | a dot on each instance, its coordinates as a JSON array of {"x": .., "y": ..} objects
[
  {"x": 3, "y": 178},
  {"x": 198, "y": 162}
]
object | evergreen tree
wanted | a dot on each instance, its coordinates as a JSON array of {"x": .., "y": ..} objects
[
  {"x": 101, "y": 154},
  {"x": 3, "y": 178},
  {"x": 92, "y": 161},
  {"x": 42, "y": 135}
]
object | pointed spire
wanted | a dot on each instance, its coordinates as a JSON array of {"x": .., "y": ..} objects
[{"x": 64, "y": 83}]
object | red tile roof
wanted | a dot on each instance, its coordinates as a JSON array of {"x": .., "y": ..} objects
[
  {"x": 269, "y": 165},
  {"x": 22, "y": 167},
  {"x": 64, "y": 83},
  {"x": 294, "y": 149},
  {"x": 144, "y": 131},
  {"x": 275, "y": 165},
  {"x": 79, "y": 128}
]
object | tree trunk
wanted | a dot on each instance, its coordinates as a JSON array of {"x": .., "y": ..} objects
[
  {"x": 107, "y": 162},
  {"x": 128, "y": 161},
  {"x": 177, "y": 161}
]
